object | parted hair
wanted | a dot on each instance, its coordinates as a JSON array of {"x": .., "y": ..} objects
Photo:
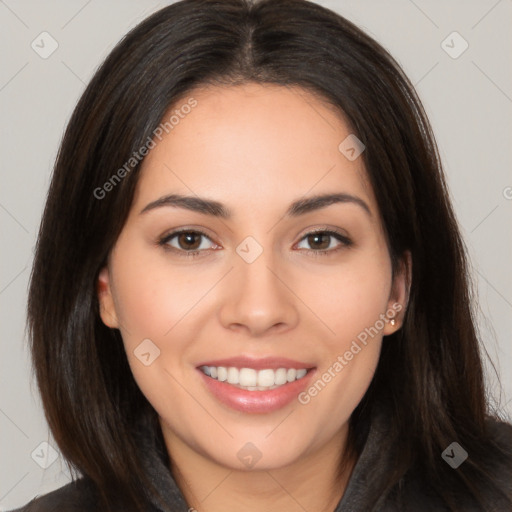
[{"x": 429, "y": 375}]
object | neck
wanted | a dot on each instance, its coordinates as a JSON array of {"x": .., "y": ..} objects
[{"x": 314, "y": 482}]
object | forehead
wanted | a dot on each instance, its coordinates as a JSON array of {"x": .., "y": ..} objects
[{"x": 252, "y": 144}]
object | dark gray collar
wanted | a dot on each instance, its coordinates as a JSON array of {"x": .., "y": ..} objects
[
  {"x": 375, "y": 458},
  {"x": 357, "y": 496}
]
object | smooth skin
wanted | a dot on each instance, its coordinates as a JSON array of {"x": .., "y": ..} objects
[{"x": 255, "y": 149}]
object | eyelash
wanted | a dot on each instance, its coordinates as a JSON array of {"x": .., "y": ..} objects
[{"x": 346, "y": 242}]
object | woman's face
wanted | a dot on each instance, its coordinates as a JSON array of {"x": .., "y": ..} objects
[{"x": 249, "y": 289}]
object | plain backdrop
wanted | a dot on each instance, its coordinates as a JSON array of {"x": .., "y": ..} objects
[{"x": 467, "y": 95}]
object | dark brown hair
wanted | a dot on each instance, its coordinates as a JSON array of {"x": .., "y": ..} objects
[{"x": 430, "y": 374}]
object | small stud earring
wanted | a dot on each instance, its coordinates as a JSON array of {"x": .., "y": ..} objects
[{"x": 393, "y": 321}]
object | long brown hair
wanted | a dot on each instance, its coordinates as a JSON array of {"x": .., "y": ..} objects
[{"x": 430, "y": 373}]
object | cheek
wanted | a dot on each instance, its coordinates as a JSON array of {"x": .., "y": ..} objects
[
  {"x": 153, "y": 296},
  {"x": 350, "y": 298},
  {"x": 157, "y": 303},
  {"x": 152, "y": 301},
  {"x": 352, "y": 306}
]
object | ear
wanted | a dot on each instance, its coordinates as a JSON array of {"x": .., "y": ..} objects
[
  {"x": 399, "y": 296},
  {"x": 107, "y": 307}
]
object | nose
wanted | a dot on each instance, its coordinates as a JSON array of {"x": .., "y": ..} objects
[{"x": 258, "y": 299}]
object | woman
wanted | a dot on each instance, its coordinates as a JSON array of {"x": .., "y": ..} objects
[{"x": 249, "y": 288}]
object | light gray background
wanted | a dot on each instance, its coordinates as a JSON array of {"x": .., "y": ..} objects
[{"x": 468, "y": 99}]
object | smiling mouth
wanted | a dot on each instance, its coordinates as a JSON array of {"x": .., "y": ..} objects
[{"x": 254, "y": 380}]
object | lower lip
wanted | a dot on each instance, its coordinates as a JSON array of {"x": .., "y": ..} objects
[{"x": 256, "y": 401}]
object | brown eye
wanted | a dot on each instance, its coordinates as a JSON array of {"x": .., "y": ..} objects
[
  {"x": 187, "y": 242},
  {"x": 319, "y": 241},
  {"x": 325, "y": 242}
]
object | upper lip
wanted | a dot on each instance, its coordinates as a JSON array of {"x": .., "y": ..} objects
[{"x": 258, "y": 363}]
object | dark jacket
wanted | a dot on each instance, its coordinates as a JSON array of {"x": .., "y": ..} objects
[{"x": 375, "y": 458}]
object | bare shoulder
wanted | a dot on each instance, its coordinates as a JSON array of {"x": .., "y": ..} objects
[{"x": 75, "y": 496}]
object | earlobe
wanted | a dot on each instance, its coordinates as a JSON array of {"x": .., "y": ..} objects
[
  {"x": 107, "y": 308},
  {"x": 399, "y": 297}
]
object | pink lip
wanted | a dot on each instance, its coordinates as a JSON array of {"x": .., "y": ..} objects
[
  {"x": 272, "y": 363},
  {"x": 256, "y": 401}
]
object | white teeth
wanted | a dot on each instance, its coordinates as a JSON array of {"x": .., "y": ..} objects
[
  {"x": 248, "y": 377},
  {"x": 291, "y": 374},
  {"x": 280, "y": 377},
  {"x": 254, "y": 380},
  {"x": 222, "y": 373},
  {"x": 266, "y": 378},
  {"x": 233, "y": 375},
  {"x": 301, "y": 373}
]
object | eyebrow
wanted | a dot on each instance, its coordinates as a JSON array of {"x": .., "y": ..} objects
[{"x": 216, "y": 209}]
